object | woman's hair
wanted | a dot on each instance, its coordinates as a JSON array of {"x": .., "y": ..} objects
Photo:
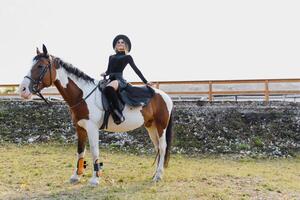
[{"x": 126, "y": 48}]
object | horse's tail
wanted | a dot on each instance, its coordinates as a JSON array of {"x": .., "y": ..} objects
[{"x": 169, "y": 138}]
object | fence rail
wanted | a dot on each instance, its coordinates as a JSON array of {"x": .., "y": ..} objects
[{"x": 208, "y": 88}]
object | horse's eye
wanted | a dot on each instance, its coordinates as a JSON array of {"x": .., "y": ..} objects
[{"x": 40, "y": 66}]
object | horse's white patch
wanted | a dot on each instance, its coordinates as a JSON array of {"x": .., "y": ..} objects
[
  {"x": 93, "y": 102},
  {"x": 82, "y": 123},
  {"x": 23, "y": 89},
  {"x": 166, "y": 98},
  {"x": 81, "y": 155},
  {"x": 61, "y": 75},
  {"x": 133, "y": 120},
  {"x": 25, "y": 82}
]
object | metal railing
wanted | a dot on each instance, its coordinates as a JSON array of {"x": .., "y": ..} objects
[{"x": 209, "y": 88}]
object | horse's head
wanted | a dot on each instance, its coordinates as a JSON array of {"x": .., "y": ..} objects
[{"x": 42, "y": 74}]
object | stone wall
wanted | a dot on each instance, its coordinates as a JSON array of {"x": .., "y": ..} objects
[{"x": 247, "y": 128}]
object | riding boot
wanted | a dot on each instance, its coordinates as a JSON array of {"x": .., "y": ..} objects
[{"x": 112, "y": 96}]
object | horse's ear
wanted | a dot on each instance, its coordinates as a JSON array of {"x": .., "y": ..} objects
[
  {"x": 45, "y": 51},
  {"x": 38, "y": 51}
]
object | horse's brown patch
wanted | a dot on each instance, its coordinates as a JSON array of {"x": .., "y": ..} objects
[
  {"x": 73, "y": 95},
  {"x": 50, "y": 75},
  {"x": 82, "y": 138},
  {"x": 156, "y": 112}
]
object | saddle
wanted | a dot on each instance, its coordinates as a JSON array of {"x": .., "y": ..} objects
[{"x": 130, "y": 95}]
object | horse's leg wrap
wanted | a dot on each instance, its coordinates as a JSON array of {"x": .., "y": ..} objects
[
  {"x": 81, "y": 165},
  {"x": 98, "y": 167}
]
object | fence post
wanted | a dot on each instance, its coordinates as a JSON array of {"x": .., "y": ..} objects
[
  {"x": 267, "y": 92},
  {"x": 210, "y": 96}
]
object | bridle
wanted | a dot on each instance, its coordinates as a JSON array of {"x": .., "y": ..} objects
[{"x": 34, "y": 84}]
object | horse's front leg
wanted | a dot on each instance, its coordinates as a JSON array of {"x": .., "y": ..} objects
[
  {"x": 80, "y": 166},
  {"x": 93, "y": 135}
]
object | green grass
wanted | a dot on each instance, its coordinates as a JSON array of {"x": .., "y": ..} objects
[{"x": 42, "y": 172}]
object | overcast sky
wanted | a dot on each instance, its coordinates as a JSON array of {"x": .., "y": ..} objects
[{"x": 171, "y": 39}]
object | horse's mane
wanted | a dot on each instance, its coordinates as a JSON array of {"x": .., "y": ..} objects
[
  {"x": 68, "y": 67},
  {"x": 73, "y": 70}
]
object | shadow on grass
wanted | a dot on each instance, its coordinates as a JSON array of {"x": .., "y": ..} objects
[{"x": 106, "y": 190}]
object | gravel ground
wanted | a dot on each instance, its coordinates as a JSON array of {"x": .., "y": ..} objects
[{"x": 245, "y": 128}]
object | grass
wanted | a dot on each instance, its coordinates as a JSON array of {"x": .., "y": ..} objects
[{"x": 42, "y": 171}]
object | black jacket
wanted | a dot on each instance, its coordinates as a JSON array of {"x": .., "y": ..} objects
[{"x": 118, "y": 62}]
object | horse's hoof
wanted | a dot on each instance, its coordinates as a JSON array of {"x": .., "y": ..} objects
[
  {"x": 74, "y": 179},
  {"x": 94, "y": 181},
  {"x": 157, "y": 179}
]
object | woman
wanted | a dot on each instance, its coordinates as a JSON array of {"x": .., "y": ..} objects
[{"x": 116, "y": 66}]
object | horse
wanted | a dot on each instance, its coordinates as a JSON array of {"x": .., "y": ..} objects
[{"x": 84, "y": 101}]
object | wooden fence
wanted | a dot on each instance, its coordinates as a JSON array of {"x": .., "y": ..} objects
[{"x": 209, "y": 89}]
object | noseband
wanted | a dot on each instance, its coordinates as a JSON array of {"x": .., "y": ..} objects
[{"x": 34, "y": 84}]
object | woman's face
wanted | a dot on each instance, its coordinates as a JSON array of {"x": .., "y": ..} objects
[{"x": 120, "y": 46}]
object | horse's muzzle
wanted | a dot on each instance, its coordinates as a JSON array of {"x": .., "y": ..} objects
[{"x": 24, "y": 90}]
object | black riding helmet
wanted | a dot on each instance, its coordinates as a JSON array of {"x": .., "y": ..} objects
[{"x": 123, "y": 37}]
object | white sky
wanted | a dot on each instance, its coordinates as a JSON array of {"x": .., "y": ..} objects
[{"x": 171, "y": 39}]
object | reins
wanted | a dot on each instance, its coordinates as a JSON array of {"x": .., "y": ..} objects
[{"x": 87, "y": 96}]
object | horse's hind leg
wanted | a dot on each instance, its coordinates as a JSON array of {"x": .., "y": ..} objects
[
  {"x": 158, "y": 138},
  {"x": 78, "y": 172},
  {"x": 152, "y": 131},
  {"x": 162, "y": 145},
  {"x": 165, "y": 135}
]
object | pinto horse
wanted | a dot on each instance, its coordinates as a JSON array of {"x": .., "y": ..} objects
[{"x": 84, "y": 101}]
